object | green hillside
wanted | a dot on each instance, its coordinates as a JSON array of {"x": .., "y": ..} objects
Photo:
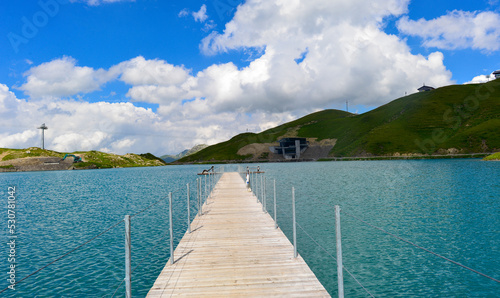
[
  {"x": 495, "y": 156},
  {"x": 458, "y": 119},
  {"x": 102, "y": 160},
  {"x": 36, "y": 159}
]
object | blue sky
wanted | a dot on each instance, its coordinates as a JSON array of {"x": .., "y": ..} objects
[{"x": 161, "y": 76}]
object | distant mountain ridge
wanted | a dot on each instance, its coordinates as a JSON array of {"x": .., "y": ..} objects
[
  {"x": 187, "y": 152},
  {"x": 457, "y": 119}
]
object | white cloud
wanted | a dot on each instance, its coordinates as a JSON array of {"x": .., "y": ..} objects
[
  {"x": 21, "y": 139},
  {"x": 344, "y": 55},
  {"x": 139, "y": 71},
  {"x": 347, "y": 56},
  {"x": 457, "y": 30},
  {"x": 85, "y": 141},
  {"x": 257, "y": 23},
  {"x": 121, "y": 127},
  {"x": 201, "y": 15},
  {"x": 8, "y": 101},
  {"x": 183, "y": 13},
  {"x": 61, "y": 77},
  {"x": 481, "y": 79},
  {"x": 343, "y": 51},
  {"x": 154, "y": 81}
]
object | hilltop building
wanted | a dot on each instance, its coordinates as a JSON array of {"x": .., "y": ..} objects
[
  {"x": 425, "y": 88},
  {"x": 290, "y": 148},
  {"x": 496, "y": 74}
]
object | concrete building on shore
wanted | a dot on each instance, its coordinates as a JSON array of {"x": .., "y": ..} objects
[{"x": 290, "y": 148}]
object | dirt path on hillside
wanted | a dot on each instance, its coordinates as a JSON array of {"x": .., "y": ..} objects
[{"x": 2, "y": 155}]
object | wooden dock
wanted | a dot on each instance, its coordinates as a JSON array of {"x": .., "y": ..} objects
[{"x": 234, "y": 250}]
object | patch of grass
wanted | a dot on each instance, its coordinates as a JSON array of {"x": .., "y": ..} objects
[
  {"x": 495, "y": 156},
  {"x": 107, "y": 160},
  {"x": 30, "y": 152}
]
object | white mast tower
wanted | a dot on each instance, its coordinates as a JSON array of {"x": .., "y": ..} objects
[{"x": 43, "y": 128}]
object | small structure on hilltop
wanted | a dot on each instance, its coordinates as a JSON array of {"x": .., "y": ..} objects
[
  {"x": 425, "y": 88},
  {"x": 496, "y": 74},
  {"x": 290, "y": 148}
]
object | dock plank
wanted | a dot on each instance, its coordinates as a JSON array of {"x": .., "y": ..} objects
[{"x": 235, "y": 251}]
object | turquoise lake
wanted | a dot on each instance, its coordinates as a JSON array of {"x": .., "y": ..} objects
[{"x": 451, "y": 207}]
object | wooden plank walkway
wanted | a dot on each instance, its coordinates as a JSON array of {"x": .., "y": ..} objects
[{"x": 234, "y": 250}]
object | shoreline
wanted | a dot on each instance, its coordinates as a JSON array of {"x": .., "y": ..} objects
[
  {"x": 353, "y": 158},
  {"x": 13, "y": 169}
]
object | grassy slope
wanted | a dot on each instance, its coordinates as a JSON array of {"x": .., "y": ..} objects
[
  {"x": 21, "y": 153},
  {"x": 495, "y": 156},
  {"x": 464, "y": 117},
  {"x": 449, "y": 117},
  {"x": 228, "y": 150},
  {"x": 92, "y": 158}
]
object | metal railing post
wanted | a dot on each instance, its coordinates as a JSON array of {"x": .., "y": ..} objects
[
  {"x": 200, "y": 203},
  {"x": 257, "y": 187},
  {"x": 275, "y": 218},
  {"x": 128, "y": 270},
  {"x": 189, "y": 210},
  {"x": 340, "y": 273},
  {"x": 257, "y": 190},
  {"x": 252, "y": 182},
  {"x": 262, "y": 193},
  {"x": 260, "y": 188},
  {"x": 294, "y": 225},
  {"x": 265, "y": 193},
  {"x": 171, "y": 228},
  {"x": 198, "y": 193}
]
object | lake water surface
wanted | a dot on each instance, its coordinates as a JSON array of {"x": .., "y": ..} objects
[{"x": 451, "y": 207}]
